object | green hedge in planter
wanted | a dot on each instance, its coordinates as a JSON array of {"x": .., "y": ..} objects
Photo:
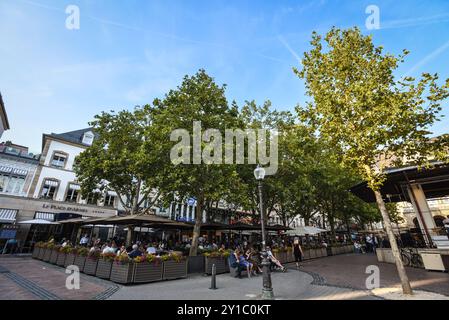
[
  {"x": 104, "y": 265},
  {"x": 175, "y": 267},
  {"x": 147, "y": 268}
]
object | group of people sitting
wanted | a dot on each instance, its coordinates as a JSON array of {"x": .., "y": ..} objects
[{"x": 251, "y": 261}]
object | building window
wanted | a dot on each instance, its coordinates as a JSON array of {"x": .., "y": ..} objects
[
  {"x": 72, "y": 192},
  {"x": 88, "y": 138},
  {"x": 49, "y": 188},
  {"x": 109, "y": 199},
  {"x": 59, "y": 160},
  {"x": 10, "y": 183},
  {"x": 92, "y": 198}
]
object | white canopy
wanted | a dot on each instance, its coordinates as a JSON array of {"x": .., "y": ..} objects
[
  {"x": 303, "y": 230},
  {"x": 37, "y": 221}
]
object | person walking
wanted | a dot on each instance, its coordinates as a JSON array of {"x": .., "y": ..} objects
[{"x": 297, "y": 251}]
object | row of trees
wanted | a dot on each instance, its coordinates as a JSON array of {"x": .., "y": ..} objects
[
  {"x": 132, "y": 155},
  {"x": 357, "y": 112}
]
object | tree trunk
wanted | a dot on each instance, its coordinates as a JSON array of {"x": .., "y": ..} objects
[
  {"x": 197, "y": 227},
  {"x": 406, "y": 288},
  {"x": 135, "y": 207}
]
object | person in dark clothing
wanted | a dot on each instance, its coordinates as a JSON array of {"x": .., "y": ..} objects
[
  {"x": 234, "y": 262},
  {"x": 135, "y": 252},
  {"x": 297, "y": 251}
]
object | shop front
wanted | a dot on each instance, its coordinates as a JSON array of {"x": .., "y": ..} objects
[{"x": 15, "y": 209}]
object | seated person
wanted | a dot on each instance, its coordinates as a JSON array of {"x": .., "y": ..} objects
[
  {"x": 273, "y": 259},
  {"x": 234, "y": 263},
  {"x": 135, "y": 252},
  {"x": 152, "y": 249},
  {"x": 245, "y": 263}
]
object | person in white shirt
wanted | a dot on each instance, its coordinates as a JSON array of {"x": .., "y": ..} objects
[
  {"x": 84, "y": 240},
  {"x": 151, "y": 250}
]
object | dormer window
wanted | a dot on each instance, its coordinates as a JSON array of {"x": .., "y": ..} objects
[{"x": 88, "y": 138}]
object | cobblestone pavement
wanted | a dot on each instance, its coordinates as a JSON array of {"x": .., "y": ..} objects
[
  {"x": 349, "y": 271},
  {"x": 23, "y": 278},
  {"x": 332, "y": 278}
]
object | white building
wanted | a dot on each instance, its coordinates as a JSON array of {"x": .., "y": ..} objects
[
  {"x": 17, "y": 169},
  {"x": 4, "y": 124}
]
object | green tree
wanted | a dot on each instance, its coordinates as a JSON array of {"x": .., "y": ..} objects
[
  {"x": 360, "y": 107},
  {"x": 198, "y": 98},
  {"x": 117, "y": 160}
]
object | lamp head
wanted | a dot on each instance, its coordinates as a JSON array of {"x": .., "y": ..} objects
[{"x": 259, "y": 173}]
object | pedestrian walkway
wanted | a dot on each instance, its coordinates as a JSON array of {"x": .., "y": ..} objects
[
  {"x": 332, "y": 278},
  {"x": 23, "y": 278},
  {"x": 349, "y": 271}
]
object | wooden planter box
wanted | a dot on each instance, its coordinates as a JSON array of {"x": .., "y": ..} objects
[
  {"x": 336, "y": 251},
  {"x": 53, "y": 256},
  {"x": 104, "y": 269},
  {"x": 174, "y": 270},
  {"x": 122, "y": 272},
  {"x": 306, "y": 255},
  {"x": 40, "y": 255},
  {"x": 196, "y": 264},
  {"x": 220, "y": 265},
  {"x": 145, "y": 272},
  {"x": 324, "y": 252},
  {"x": 290, "y": 256},
  {"x": 312, "y": 253},
  {"x": 90, "y": 266},
  {"x": 35, "y": 253},
  {"x": 69, "y": 260},
  {"x": 350, "y": 249},
  {"x": 61, "y": 259},
  {"x": 47, "y": 254},
  {"x": 79, "y": 262}
]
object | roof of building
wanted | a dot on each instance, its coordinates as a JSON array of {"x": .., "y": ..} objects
[
  {"x": 3, "y": 115},
  {"x": 434, "y": 182},
  {"x": 71, "y": 136}
]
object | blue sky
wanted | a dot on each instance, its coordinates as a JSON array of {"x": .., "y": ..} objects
[{"x": 127, "y": 53}]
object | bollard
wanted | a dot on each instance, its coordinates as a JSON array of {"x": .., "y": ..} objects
[{"x": 213, "y": 280}]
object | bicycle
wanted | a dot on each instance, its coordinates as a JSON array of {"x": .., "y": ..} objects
[{"x": 411, "y": 258}]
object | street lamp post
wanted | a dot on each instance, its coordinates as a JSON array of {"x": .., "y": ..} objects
[{"x": 267, "y": 291}]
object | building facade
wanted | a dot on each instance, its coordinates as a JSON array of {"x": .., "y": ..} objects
[{"x": 4, "y": 124}]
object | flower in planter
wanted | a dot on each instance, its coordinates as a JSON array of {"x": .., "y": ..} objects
[
  {"x": 150, "y": 258},
  {"x": 57, "y": 248},
  {"x": 122, "y": 259},
  {"x": 109, "y": 256},
  {"x": 93, "y": 254},
  {"x": 40, "y": 244},
  {"x": 66, "y": 249},
  {"x": 82, "y": 252}
]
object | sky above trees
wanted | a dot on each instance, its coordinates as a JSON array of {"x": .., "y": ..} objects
[{"x": 126, "y": 54}]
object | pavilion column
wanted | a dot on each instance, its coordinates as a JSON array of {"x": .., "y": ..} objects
[
  {"x": 182, "y": 211},
  {"x": 423, "y": 212}
]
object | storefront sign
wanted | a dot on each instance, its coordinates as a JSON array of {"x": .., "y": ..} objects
[{"x": 8, "y": 232}]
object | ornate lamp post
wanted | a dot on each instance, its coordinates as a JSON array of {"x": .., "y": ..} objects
[{"x": 267, "y": 291}]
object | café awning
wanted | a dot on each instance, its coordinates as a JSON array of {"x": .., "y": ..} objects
[
  {"x": 8, "y": 215},
  {"x": 305, "y": 230},
  {"x": 137, "y": 219},
  {"x": 38, "y": 221},
  {"x": 434, "y": 182}
]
